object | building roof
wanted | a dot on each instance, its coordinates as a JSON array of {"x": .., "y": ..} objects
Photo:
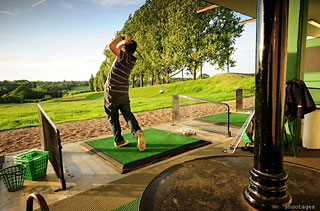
[{"x": 249, "y": 8}]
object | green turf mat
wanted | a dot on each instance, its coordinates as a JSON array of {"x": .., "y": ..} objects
[
  {"x": 131, "y": 206},
  {"x": 250, "y": 108},
  {"x": 157, "y": 141},
  {"x": 235, "y": 118}
]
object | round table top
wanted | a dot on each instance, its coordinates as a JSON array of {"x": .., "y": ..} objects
[{"x": 217, "y": 183}]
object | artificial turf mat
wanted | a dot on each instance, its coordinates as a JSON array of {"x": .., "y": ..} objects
[
  {"x": 131, "y": 206},
  {"x": 159, "y": 145},
  {"x": 235, "y": 118}
]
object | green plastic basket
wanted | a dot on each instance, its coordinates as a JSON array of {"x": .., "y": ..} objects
[
  {"x": 13, "y": 177},
  {"x": 36, "y": 163}
]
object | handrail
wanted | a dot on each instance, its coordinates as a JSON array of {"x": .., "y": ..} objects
[
  {"x": 39, "y": 199},
  {"x": 209, "y": 101},
  {"x": 313, "y": 88}
]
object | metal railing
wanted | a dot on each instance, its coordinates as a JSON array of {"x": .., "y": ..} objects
[
  {"x": 39, "y": 199},
  {"x": 175, "y": 108}
]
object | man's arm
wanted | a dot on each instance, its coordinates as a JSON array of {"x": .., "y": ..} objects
[{"x": 115, "y": 45}]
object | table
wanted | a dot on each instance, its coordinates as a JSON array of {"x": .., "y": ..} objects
[{"x": 218, "y": 182}]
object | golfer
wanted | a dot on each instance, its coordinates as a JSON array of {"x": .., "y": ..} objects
[{"x": 116, "y": 95}]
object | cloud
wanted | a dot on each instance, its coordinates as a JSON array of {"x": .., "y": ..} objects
[
  {"x": 38, "y": 3},
  {"x": 117, "y": 2},
  {"x": 15, "y": 12},
  {"x": 66, "y": 5},
  {"x": 22, "y": 7}
]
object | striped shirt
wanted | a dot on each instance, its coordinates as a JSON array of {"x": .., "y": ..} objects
[{"x": 118, "y": 78}]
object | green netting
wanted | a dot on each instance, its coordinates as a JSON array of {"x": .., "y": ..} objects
[
  {"x": 131, "y": 206},
  {"x": 157, "y": 141},
  {"x": 235, "y": 118}
]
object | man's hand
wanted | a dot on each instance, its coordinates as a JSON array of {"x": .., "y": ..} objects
[
  {"x": 116, "y": 45},
  {"x": 125, "y": 37}
]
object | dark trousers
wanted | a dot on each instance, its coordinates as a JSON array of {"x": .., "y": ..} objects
[{"x": 112, "y": 104}]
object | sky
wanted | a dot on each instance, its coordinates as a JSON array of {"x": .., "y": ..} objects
[{"x": 56, "y": 40}]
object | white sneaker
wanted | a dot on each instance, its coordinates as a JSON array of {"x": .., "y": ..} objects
[
  {"x": 141, "y": 141},
  {"x": 124, "y": 143}
]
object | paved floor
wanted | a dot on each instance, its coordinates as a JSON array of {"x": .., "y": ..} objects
[{"x": 96, "y": 186}]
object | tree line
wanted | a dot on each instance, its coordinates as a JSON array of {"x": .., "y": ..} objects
[
  {"x": 173, "y": 38},
  {"x": 20, "y": 91}
]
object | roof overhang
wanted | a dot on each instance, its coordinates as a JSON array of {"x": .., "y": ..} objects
[{"x": 249, "y": 8}]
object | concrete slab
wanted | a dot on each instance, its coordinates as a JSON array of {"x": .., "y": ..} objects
[
  {"x": 96, "y": 185},
  {"x": 82, "y": 171}
]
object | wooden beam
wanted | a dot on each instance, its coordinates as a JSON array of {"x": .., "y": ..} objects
[
  {"x": 207, "y": 8},
  {"x": 247, "y": 21},
  {"x": 314, "y": 23}
]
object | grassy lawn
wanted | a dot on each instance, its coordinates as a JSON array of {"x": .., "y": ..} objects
[
  {"x": 90, "y": 105},
  {"x": 81, "y": 88}
]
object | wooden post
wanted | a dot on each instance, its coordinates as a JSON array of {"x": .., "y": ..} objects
[
  {"x": 175, "y": 108},
  {"x": 239, "y": 100}
]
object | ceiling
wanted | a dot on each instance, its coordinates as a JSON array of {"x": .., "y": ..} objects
[{"x": 249, "y": 8}]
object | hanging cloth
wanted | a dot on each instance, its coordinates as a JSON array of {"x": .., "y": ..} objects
[{"x": 298, "y": 100}]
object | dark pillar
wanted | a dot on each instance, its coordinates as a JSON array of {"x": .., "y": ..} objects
[{"x": 267, "y": 189}]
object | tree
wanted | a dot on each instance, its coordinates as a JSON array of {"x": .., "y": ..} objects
[
  {"x": 173, "y": 37},
  {"x": 19, "y": 90},
  {"x": 6, "y": 98},
  {"x": 91, "y": 87},
  {"x": 201, "y": 37},
  {"x": 96, "y": 82},
  {"x": 3, "y": 90},
  {"x": 22, "y": 91}
]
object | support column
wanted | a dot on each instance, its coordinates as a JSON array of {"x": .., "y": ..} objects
[
  {"x": 297, "y": 38},
  {"x": 297, "y": 34},
  {"x": 267, "y": 189}
]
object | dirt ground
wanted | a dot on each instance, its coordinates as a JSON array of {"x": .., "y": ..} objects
[{"x": 27, "y": 138}]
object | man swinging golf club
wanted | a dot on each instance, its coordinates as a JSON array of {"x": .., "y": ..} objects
[{"x": 116, "y": 95}]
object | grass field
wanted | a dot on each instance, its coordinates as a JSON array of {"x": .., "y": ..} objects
[
  {"x": 90, "y": 105},
  {"x": 81, "y": 88}
]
